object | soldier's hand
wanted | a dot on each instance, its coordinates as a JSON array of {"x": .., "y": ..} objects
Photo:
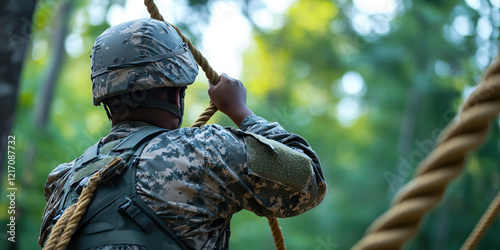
[{"x": 230, "y": 96}]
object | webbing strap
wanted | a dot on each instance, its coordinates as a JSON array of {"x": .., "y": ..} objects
[
  {"x": 125, "y": 237},
  {"x": 89, "y": 155},
  {"x": 134, "y": 140},
  {"x": 135, "y": 213},
  {"x": 117, "y": 215},
  {"x": 147, "y": 219},
  {"x": 167, "y": 106},
  {"x": 159, "y": 104}
]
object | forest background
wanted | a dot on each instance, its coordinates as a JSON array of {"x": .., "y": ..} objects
[{"x": 370, "y": 84}]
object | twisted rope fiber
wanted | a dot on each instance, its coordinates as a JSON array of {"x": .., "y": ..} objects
[
  {"x": 444, "y": 163},
  {"x": 277, "y": 234},
  {"x": 483, "y": 225},
  {"x": 391, "y": 229},
  {"x": 65, "y": 226},
  {"x": 58, "y": 228},
  {"x": 203, "y": 118},
  {"x": 210, "y": 73}
]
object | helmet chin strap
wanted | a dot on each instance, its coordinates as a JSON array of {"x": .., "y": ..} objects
[
  {"x": 108, "y": 113},
  {"x": 175, "y": 109},
  {"x": 181, "y": 94}
]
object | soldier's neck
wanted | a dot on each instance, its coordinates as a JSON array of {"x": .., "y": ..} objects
[{"x": 156, "y": 117}]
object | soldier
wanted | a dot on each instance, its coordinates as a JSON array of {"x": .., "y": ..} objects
[{"x": 185, "y": 183}]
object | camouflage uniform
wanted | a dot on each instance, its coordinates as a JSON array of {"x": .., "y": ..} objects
[{"x": 195, "y": 179}]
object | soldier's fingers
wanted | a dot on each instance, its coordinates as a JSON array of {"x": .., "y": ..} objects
[
  {"x": 223, "y": 78},
  {"x": 211, "y": 88}
]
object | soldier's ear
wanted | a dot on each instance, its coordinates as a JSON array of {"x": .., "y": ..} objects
[{"x": 178, "y": 97}]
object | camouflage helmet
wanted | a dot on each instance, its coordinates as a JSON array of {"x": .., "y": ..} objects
[{"x": 139, "y": 55}]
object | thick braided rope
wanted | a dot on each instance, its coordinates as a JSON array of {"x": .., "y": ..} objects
[
  {"x": 277, "y": 234},
  {"x": 212, "y": 76},
  {"x": 203, "y": 118},
  {"x": 444, "y": 163},
  {"x": 65, "y": 226},
  {"x": 483, "y": 225},
  {"x": 58, "y": 228}
]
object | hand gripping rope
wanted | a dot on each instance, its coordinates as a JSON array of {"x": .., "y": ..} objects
[
  {"x": 420, "y": 195},
  {"x": 202, "y": 119},
  {"x": 63, "y": 229},
  {"x": 444, "y": 163}
]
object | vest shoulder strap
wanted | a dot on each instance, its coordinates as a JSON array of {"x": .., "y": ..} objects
[
  {"x": 116, "y": 214},
  {"x": 135, "y": 140}
]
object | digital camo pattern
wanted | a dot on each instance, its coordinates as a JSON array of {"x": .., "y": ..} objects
[
  {"x": 123, "y": 49},
  {"x": 53, "y": 195},
  {"x": 195, "y": 179}
]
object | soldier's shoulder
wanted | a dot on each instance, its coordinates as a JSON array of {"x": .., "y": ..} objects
[
  {"x": 196, "y": 132},
  {"x": 203, "y": 135},
  {"x": 61, "y": 169}
]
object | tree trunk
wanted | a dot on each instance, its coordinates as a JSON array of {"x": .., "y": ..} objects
[
  {"x": 15, "y": 22},
  {"x": 415, "y": 90},
  {"x": 49, "y": 85},
  {"x": 409, "y": 122}
]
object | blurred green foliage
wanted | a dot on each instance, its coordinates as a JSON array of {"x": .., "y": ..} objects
[{"x": 370, "y": 91}]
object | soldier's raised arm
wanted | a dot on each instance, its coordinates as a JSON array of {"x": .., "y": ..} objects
[{"x": 282, "y": 175}]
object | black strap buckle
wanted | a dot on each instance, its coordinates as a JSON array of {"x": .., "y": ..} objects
[
  {"x": 124, "y": 206},
  {"x": 57, "y": 216},
  {"x": 81, "y": 185},
  {"x": 130, "y": 208}
]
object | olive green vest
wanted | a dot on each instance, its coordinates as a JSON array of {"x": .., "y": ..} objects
[{"x": 116, "y": 214}]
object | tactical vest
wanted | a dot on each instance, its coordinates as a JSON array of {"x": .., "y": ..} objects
[{"x": 116, "y": 214}]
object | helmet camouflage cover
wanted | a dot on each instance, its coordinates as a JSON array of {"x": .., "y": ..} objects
[{"x": 139, "y": 55}]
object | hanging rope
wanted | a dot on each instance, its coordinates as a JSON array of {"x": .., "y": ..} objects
[
  {"x": 203, "y": 118},
  {"x": 401, "y": 221},
  {"x": 279, "y": 243},
  {"x": 61, "y": 232},
  {"x": 212, "y": 76},
  {"x": 483, "y": 225},
  {"x": 444, "y": 163}
]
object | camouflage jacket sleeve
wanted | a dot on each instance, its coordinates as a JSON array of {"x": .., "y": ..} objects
[
  {"x": 53, "y": 194},
  {"x": 263, "y": 195}
]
